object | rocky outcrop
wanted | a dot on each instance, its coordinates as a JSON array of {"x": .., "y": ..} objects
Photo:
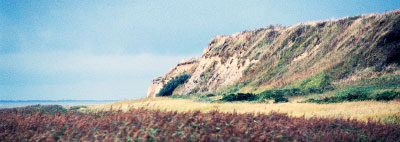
[
  {"x": 155, "y": 87},
  {"x": 278, "y": 57},
  {"x": 184, "y": 66}
]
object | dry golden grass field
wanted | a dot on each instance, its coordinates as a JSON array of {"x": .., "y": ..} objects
[{"x": 386, "y": 112}]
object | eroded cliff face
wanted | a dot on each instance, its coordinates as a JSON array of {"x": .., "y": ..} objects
[
  {"x": 184, "y": 66},
  {"x": 278, "y": 57}
]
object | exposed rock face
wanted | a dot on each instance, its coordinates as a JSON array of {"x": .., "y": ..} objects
[
  {"x": 183, "y": 66},
  {"x": 155, "y": 87},
  {"x": 277, "y": 57}
]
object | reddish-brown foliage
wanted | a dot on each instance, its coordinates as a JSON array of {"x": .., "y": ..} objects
[{"x": 156, "y": 125}]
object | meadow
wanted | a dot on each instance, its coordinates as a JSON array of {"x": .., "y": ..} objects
[
  {"x": 54, "y": 123},
  {"x": 385, "y": 112}
]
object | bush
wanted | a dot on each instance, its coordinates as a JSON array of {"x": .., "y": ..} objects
[
  {"x": 358, "y": 94},
  {"x": 387, "y": 96},
  {"x": 171, "y": 85},
  {"x": 77, "y": 107},
  {"x": 351, "y": 94},
  {"x": 210, "y": 95},
  {"x": 277, "y": 95},
  {"x": 280, "y": 98},
  {"x": 239, "y": 97},
  {"x": 314, "y": 91},
  {"x": 292, "y": 92},
  {"x": 285, "y": 92},
  {"x": 354, "y": 94}
]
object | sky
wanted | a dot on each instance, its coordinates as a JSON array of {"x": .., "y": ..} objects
[{"x": 111, "y": 50}]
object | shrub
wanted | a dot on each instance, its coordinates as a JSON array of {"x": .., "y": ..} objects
[
  {"x": 387, "y": 96},
  {"x": 354, "y": 94},
  {"x": 77, "y": 107},
  {"x": 314, "y": 91},
  {"x": 210, "y": 95},
  {"x": 171, "y": 85},
  {"x": 239, "y": 97},
  {"x": 280, "y": 98},
  {"x": 314, "y": 101},
  {"x": 270, "y": 94},
  {"x": 351, "y": 94},
  {"x": 293, "y": 92},
  {"x": 277, "y": 95}
]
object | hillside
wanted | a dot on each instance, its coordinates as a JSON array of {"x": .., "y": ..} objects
[{"x": 321, "y": 56}]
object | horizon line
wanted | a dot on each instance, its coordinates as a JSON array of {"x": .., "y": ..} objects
[{"x": 66, "y": 100}]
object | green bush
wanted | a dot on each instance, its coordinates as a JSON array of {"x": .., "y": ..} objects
[
  {"x": 210, "y": 95},
  {"x": 351, "y": 94},
  {"x": 269, "y": 94},
  {"x": 313, "y": 91},
  {"x": 77, "y": 107},
  {"x": 354, "y": 94},
  {"x": 280, "y": 98},
  {"x": 239, "y": 97},
  {"x": 284, "y": 92},
  {"x": 387, "y": 96},
  {"x": 278, "y": 95},
  {"x": 315, "y": 101},
  {"x": 171, "y": 85}
]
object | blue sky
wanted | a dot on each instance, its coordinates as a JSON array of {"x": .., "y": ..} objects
[{"x": 81, "y": 49}]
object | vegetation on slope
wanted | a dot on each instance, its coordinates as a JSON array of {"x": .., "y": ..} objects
[
  {"x": 358, "y": 94},
  {"x": 383, "y": 88},
  {"x": 310, "y": 55},
  {"x": 172, "y": 84},
  {"x": 239, "y": 97},
  {"x": 155, "y": 125},
  {"x": 314, "y": 57}
]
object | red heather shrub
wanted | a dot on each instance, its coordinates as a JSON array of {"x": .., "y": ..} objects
[{"x": 155, "y": 125}]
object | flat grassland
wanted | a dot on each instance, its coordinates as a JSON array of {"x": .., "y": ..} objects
[{"x": 386, "y": 112}]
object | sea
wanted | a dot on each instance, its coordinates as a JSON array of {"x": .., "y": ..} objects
[{"x": 23, "y": 103}]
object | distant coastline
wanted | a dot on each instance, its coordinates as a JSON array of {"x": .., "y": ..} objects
[
  {"x": 23, "y": 103},
  {"x": 3, "y": 101}
]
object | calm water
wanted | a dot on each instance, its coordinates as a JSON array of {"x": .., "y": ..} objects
[{"x": 11, "y": 104}]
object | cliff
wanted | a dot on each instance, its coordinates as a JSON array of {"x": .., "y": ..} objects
[{"x": 321, "y": 52}]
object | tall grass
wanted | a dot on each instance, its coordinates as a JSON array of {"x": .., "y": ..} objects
[
  {"x": 155, "y": 125},
  {"x": 363, "y": 110}
]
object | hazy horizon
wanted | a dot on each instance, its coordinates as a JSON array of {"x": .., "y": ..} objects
[{"x": 111, "y": 50}]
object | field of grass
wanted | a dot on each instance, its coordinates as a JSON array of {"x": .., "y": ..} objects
[
  {"x": 387, "y": 112},
  {"x": 54, "y": 123}
]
